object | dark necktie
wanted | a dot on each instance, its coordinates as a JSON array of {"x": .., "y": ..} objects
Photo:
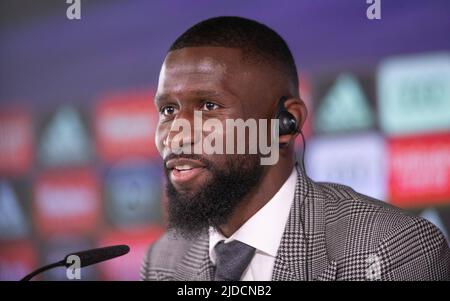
[{"x": 231, "y": 260}]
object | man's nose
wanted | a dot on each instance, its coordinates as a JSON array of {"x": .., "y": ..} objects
[{"x": 185, "y": 131}]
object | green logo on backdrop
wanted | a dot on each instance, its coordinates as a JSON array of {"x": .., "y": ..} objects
[
  {"x": 344, "y": 107},
  {"x": 65, "y": 140},
  {"x": 414, "y": 94}
]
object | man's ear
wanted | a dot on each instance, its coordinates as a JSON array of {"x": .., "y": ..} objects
[{"x": 297, "y": 107}]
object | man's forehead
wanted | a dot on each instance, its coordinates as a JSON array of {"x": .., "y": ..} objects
[
  {"x": 217, "y": 69},
  {"x": 202, "y": 60},
  {"x": 194, "y": 65},
  {"x": 199, "y": 67}
]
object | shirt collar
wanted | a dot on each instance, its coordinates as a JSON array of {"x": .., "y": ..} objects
[{"x": 265, "y": 228}]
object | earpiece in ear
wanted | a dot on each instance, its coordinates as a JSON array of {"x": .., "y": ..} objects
[{"x": 288, "y": 123}]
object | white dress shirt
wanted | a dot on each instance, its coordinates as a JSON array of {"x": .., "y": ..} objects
[{"x": 263, "y": 231}]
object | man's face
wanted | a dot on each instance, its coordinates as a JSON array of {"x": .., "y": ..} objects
[{"x": 215, "y": 81}]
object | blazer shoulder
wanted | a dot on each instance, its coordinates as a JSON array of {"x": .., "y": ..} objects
[
  {"x": 354, "y": 221},
  {"x": 342, "y": 202},
  {"x": 414, "y": 249},
  {"x": 408, "y": 246},
  {"x": 342, "y": 195}
]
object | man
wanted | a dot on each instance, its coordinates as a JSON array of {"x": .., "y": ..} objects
[{"x": 230, "y": 217}]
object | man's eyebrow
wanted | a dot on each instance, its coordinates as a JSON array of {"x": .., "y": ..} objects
[
  {"x": 161, "y": 97},
  {"x": 207, "y": 93}
]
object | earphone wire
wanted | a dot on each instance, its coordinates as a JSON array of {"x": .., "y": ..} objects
[{"x": 303, "y": 206}]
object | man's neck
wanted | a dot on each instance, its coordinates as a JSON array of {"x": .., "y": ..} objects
[{"x": 270, "y": 183}]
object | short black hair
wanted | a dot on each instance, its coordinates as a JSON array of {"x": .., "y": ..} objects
[{"x": 257, "y": 41}]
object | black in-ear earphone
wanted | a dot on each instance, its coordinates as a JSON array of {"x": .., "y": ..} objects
[{"x": 288, "y": 123}]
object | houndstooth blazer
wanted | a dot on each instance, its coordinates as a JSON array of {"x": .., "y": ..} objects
[{"x": 332, "y": 233}]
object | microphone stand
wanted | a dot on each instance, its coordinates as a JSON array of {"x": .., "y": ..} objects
[
  {"x": 42, "y": 269},
  {"x": 86, "y": 258}
]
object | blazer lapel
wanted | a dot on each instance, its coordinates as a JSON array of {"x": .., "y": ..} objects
[
  {"x": 196, "y": 264},
  {"x": 302, "y": 253}
]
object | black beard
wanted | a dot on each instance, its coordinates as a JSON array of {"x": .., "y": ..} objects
[{"x": 190, "y": 214}]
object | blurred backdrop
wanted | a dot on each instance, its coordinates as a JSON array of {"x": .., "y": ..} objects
[{"x": 78, "y": 165}]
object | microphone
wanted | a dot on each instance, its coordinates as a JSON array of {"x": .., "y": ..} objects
[{"x": 87, "y": 257}]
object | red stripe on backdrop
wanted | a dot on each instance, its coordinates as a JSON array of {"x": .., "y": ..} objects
[{"x": 419, "y": 170}]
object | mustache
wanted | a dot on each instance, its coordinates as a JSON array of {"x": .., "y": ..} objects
[{"x": 199, "y": 158}]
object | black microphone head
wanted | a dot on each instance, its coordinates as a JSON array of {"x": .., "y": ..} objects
[{"x": 93, "y": 256}]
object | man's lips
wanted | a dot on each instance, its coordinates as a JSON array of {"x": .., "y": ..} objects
[{"x": 184, "y": 170}]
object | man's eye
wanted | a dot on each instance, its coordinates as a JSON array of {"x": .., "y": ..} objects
[
  {"x": 209, "y": 106},
  {"x": 168, "y": 110}
]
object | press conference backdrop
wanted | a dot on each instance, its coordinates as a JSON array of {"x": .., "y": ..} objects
[{"x": 78, "y": 165}]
